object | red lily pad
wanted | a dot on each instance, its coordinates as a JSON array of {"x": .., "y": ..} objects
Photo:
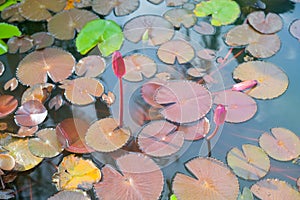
[
  {"x": 295, "y": 29},
  {"x": 270, "y": 189},
  {"x": 90, "y": 66},
  {"x": 181, "y": 16},
  {"x": 283, "y": 144},
  {"x": 160, "y": 138},
  {"x": 266, "y": 24},
  {"x": 53, "y": 62},
  {"x": 155, "y": 29},
  {"x": 148, "y": 90},
  {"x": 31, "y": 113},
  {"x": 240, "y": 107},
  {"x": 196, "y": 130},
  {"x": 174, "y": 50},
  {"x": 204, "y": 28},
  {"x": 7, "y": 105},
  {"x": 121, "y": 8},
  {"x": 71, "y": 20},
  {"x": 21, "y": 44},
  {"x": 213, "y": 180},
  {"x": 71, "y": 134},
  {"x": 185, "y": 101},
  {"x": 42, "y": 40},
  {"x": 137, "y": 181}
]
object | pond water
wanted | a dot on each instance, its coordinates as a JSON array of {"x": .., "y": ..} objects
[{"x": 278, "y": 112}]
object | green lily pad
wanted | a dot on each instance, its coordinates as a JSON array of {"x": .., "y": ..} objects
[
  {"x": 173, "y": 197},
  {"x": 3, "y": 47},
  {"x": 8, "y": 31},
  {"x": 246, "y": 194},
  {"x": 223, "y": 12},
  {"x": 8, "y": 3},
  {"x": 107, "y": 34}
]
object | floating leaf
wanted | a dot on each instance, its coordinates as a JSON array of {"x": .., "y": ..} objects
[
  {"x": 90, "y": 66},
  {"x": 181, "y": 16},
  {"x": 71, "y": 20},
  {"x": 7, "y": 194},
  {"x": 160, "y": 138},
  {"x": 26, "y": 131},
  {"x": 42, "y": 40},
  {"x": 175, "y": 2},
  {"x": 12, "y": 14},
  {"x": 251, "y": 164},
  {"x": 204, "y": 28},
  {"x": 110, "y": 136},
  {"x": 139, "y": 66},
  {"x": 157, "y": 29},
  {"x": 298, "y": 183},
  {"x": 71, "y": 133},
  {"x": 295, "y": 29},
  {"x": 8, "y": 31},
  {"x": 246, "y": 195},
  {"x": 267, "y": 24},
  {"x": 6, "y": 3},
  {"x": 186, "y": 101},
  {"x": 207, "y": 54},
  {"x": 109, "y": 99},
  {"x": 270, "y": 189},
  {"x": 75, "y": 172},
  {"x": 223, "y": 12},
  {"x": 121, "y": 8},
  {"x": 174, "y": 50},
  {"x": 173, "y": 197},
  {"x": 137, "y": 181},
  {"x": 7, "y": 162},
  {"x": 259, "y": 45},
  {"x": 196, "y": 130},
  {"x": 3, "y": 47},
  {"x": 39, "y": 92},
  {"x": 240, "y": 107},
  {"x": 213, "y": 180},
  {"x": 272, "y": 81},
  {"x": 2, "y": 68},
  {"x": 12, "y": 84},
  {"x": 38, "y": 10},
  {"x": 7, "y": 105},
  {"x": 149, "y": 89},
  {"x": 82, "y": 91},
  {"x": 283, "y": 144},
  {"x": 21, "y": 44},
  {"x": 155, "y": 1},
  {"x": 3, "y": 126},
  {"x": 46, "y": 145},
  {"x": 56, "y": 102},
  {"x": 53, "y": 62},
  {"x": 70, "y": 194}
]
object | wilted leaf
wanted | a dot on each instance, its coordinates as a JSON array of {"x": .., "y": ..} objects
[
  {"x": 39, "y": 92},
  {"x": 56, "y": 102},
  {"x": 109, "y": 98}
]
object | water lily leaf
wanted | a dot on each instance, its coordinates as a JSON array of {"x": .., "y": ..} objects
[
  {"x": 240, "y": 107},
  {"x": 295, "y": 29},
  {"x": 26, "y": 131},
  {"x": 75, "y": 172},
  {"x": 42, "y": 40},
  {"x": 272, "y": 81},
  {"x": 31, "y": 113},
  {"x": 259, "y": 45},
  {"x": 270, "y": 189},
  {"x": 38, "y": 10},
  {"x": 109, "y": 98},
  {"x": 71, "y": 134},
  {"x": 149, "y": 89},
  {"x": 152, "y": 28},
  {"x": 175, "y": 2},
  {"x": 7, "y": 3},
  {"x": 56, "y": 102},
  {"x": 7, "y": 162},
  {"x": 160, "y": 138},
  {"x": 174, "y": 50},
  {"x": 109, "y": 37},
  {"x": 283, "y": 144},
  {"x": 53, "y": 62},
  {"x": 7, "y": 105},
  {"x": 90, "y": 66},
  {"x": 12, "y": 84},
  {"x": 246, "y": 194},
  {"x": 213, "y": 180},
  {"x": 3, "y": 47},
  {"x": 223, "y": 12},
  {"x": 251, "y": 164},
  {"x": 267, "y": 24},
  {"x": 8, "y": 31},
  {"x": 46, "y": 144},
  {"x": 207, "y": 54},
  {"x": 121, "y": 8},
  {"x": 2, "y": 68},
  {"x": 71, "y": 20},
  {"x": 39, "y": 92},
  {"x": 70, "y": 194},
  {"x": 173, "y": 197},
  {"x": 12, "y": 14},
  {"x": 196, "y": 130},
  {"x": 111, "y": 137},
  {"x": 21, "y": 44},
  {"x": 181, "y": 16},
  {"x": 155, "y": 1},
  {"x": 82, "y": 91},
  {"x": 204, "y": 28},
  {"x": 139, "y": 66},
  {"x": 131, "y": 183},
  {"x": 185, "y": 101}
]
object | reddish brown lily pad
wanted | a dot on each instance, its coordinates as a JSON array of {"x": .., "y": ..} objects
[
  {"x": 90, "y": 66},
  {"x": 213, "y": 181},
  {"x": 42, "y": 40},
  {"x": 137, "y": 181},
  {"x": 160, "y": 138},
  {"x": 39, "y": 92},
  {"x": 204, "y": 28},
  {"x": 20, "y": 44},
  {"x": 56, "y": 102},
  {"x": 196, "y": 130},
  {"x": 283, "y": 144},
  {"x": 267, "y": 24},
  {"x": 7, "y": 162},
  {"x": 181, "y": 16},
  {"x": 53, "y": 62},
  {"x": 12, "y": 14},
  {"x": 175, "y": 2},
  {"x": 121, "y": 8},
  {"x": 12, "y": 84},
  {"x": 185, "y": 101},
  {"x": 295, "y": 29}
]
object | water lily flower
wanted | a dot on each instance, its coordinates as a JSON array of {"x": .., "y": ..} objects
[
  {"x": 220, "y": 115},
  {"x": 244, "y": 85}
]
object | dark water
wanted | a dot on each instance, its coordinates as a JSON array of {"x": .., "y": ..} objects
[{"x": 280, "y": 112}]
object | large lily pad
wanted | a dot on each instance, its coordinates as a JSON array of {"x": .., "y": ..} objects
[
  {"x": 120, "y": 7},
  {"x": 267, "y": 24}
]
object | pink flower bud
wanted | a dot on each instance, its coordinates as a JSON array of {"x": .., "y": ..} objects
[
  {"x": 244, "y": 85},
  {"x": 118, "y": 64},
  {"x": 220, "y": 114}
]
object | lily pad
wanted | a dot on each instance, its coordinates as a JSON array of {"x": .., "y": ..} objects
[
  {"x": 121, "y": 8},
  {"x": 53, "y": 62},
  {"x": 148, "y": 90},
  {"x": 266, "y": 24},
  {"x": 196, "y": 130},
  {"x": 295, "y": 29},
  {"x": 20, "y": 44},
  {"x": 139, "y": 66},
  {"x": 223, "y": 12},
  {"x": 155, "y": 1},
  {"x": 246, "y": 194},
  {"x": 42, "y": 40},
  {"x": 70, "y": 194},
  {"x": 174, "y": 50},
  {"x": 7, "y": 105},
  {"x": 7, "y": 162},
  {"x": 71, "y": 20},
  {"x": 109, "y": 37},
  {"x": 272, "y": 81},
  {"x": 56, "y": 102},
  {"x": 90, "y": 66},
  {"x": 251, "y": 164},
  {"x": 175, "y": 2},
  {"x": 137, "y": 181},
  {"x": 207, "y": 54},
  {"x": 8, "y": 31},
  {"x": 213, "y": 180},
  {"x": 39, "y": 92},
  {"x": 204, "y": 28},
  {"x": 283, "y": 144},
  {"x": 12, "y": 84},
  {"x": 12, "y": 14},
  {"x": 270, "y": 189},
  {"x": 259, "y": 45},
  {"x": 152, "y": 28},
  {"x": 181, "y": 16}
]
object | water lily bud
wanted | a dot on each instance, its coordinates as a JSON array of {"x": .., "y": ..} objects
[
  {"x": 220, "y": 114},
  {"x": 118, "y": 64},
  {"x": 244, "y": 85}
]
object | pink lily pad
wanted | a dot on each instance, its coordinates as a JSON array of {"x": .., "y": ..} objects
[
  {"x": 90, "y": 66},
  {"x": 196, "y": 130},
  {"x": 181, "y": 16},
  {"x": 207, "y": 54},
  {"x": 148, "y": 90},
  {"x": 204, "y": 28},
  {"x": 266, "y": 24},
  {"x": 295, "y": 29},
  {"x": 121, "y": 8}
]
